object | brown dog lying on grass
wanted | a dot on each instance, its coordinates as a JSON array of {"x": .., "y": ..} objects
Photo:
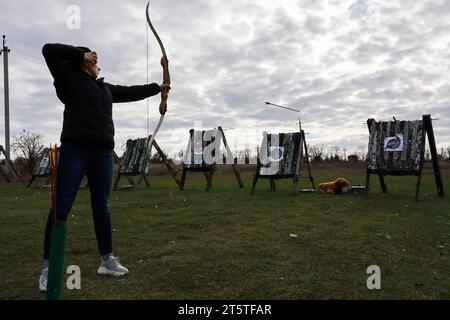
[{"x": 338, "y": 186}]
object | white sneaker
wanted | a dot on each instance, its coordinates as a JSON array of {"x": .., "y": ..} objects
[
  {"x": 43, "y": 280},
  {"x": 112, "y": 267}
]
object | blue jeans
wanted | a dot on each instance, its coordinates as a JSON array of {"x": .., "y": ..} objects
[{"x": 74, "y": 161}]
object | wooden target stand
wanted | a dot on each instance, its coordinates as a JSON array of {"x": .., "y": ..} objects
[
  {"x": 409, "y": 161},
  {"x": 135, "y": 162},
  {"x": 208, "y": 170},
  {"x": 299, "y": 151}
]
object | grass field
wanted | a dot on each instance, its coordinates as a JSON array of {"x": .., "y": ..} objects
[{"x": 229, "y": 244}]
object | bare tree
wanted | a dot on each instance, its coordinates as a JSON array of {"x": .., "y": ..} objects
[
  {"x": 248, "y": 154},
  {"x": 316, "y": 152},
  {"x": 442, "y": 154},
  {"x": 156, "y": 158},
  {"x": 241, "y": 156},
  {"x": 28, "y": 146},
  {"x": 362, "y": 152},
  {"x": 427, "y": 154},
  {"x": 335, "y": 153}
]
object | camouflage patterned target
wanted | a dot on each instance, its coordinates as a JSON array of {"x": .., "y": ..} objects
[
  {"x": 279, "y": 154},
  {"x": 396, "y": 147},
  {"x": 42, "y": 167}
]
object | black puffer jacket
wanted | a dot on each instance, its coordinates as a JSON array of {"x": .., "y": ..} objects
[{"x": 88, "y": 101}]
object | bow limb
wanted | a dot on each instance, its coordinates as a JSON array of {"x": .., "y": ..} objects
[
  {"x": 152, "y": 138},
  {"x": 164, "y": 64},
  {"x": 166, "y": 80}
]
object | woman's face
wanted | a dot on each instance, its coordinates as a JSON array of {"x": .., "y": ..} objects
[{"x": 91, "y": 68}]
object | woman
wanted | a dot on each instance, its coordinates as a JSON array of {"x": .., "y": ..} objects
[{"x": 87, "y": 142}]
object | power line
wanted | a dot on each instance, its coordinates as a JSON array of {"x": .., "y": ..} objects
[
  {"x": 28, "y": 59},
  {"x": 25, "y": 42},
  {"x": 105, "y": 67},
  {"x": 28, "y": 55}
]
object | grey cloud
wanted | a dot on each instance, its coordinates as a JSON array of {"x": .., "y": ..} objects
[
  {"x": 340, "y": 64},
  {"x": 315, "y": 25}
]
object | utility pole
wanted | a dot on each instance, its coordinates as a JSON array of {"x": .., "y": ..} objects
[{"x": 5, "y": 50}]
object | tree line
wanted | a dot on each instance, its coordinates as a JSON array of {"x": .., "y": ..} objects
[{"x": 28, "y": 146}]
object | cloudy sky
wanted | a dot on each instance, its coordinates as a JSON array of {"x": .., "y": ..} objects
[{"x": 339, "y": 62}]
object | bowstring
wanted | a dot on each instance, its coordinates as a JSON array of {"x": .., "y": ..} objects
[{"x": 146, "y": 28}]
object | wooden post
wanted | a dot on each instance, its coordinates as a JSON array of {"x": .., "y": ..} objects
[
  {"x": 294, "y": 184},
  {"x": 428, "y": 124},
  {"x": 255, "y": 180},
  {"x": 235, "y": 168},
  {"x": 116, "y": 183},
  {"x": 119, "y": 175},
  {"x": 10, "y": 163},
  {"x": 258, "y": 167},
  {"x": 188, "y": 149},
  {"x": 208, "y": 179},
  {"x": 299, "y": 163},
  {"x": 169, "y": 164},
  {"x": 31, "y": 181},
  {"x": 367, "y": 182},
  {"x": 146, "y": 181},
  {"x": 273, "y": 186},
  {"x": 210, "y": 184},
  {"x": 238, "y": 176},
  {"x": 183, "y": 179},
  {"x": 143, "y": 178},
  {"x": 382, "y": 182},
  {"x": 311, "y": 179}
]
